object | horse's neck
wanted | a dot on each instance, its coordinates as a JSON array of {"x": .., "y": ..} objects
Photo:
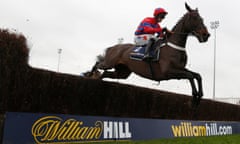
[{"x": 179, "y": 36}]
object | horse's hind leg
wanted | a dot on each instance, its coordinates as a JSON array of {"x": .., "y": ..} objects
[
  {"x": 120, "y": 72},
  {"x": 93, "y": 73},
  {"x": 94, "y": 68}
]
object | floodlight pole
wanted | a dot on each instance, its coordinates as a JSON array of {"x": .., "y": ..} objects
[
  {"x": 59, "y": 56},
  {"x": 214, "y": 26}
]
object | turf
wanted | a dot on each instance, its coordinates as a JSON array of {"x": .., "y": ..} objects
[{"x": 231, "y": 139}]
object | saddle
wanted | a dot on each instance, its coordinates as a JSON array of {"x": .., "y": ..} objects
[{"x": 138, "y": 52}]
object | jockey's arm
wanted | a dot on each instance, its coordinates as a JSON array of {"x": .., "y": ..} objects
[{"x": 151, "y": 30}]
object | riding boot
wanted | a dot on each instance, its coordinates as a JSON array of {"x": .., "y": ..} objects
[{"x": 147, "y": 54}]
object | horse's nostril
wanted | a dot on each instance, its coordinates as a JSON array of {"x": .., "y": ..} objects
[{"x": 206, "y": 35}]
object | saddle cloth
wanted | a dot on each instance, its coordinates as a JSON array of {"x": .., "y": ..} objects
[{"x": 138, "y": 53}]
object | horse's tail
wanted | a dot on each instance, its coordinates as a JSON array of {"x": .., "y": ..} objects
[
  {"x": 100, "y": 58},
  {"x": 94, "y": 73}
]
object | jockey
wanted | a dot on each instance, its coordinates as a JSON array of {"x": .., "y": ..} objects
[{"x": 145, "y": 33}]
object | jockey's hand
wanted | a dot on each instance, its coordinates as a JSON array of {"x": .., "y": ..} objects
[{"x": 165, "y": 30}]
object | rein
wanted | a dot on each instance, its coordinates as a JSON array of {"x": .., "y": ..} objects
[
  {"x": 176, "y": 46},
  {"x": 172, "y": 45}
]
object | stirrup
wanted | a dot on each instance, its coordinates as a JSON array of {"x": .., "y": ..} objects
[{"x": 148, "y": 57}]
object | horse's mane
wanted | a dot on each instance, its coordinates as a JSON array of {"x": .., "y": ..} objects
[{"x": 180, "y": 22}]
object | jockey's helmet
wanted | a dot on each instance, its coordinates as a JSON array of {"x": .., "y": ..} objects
[{"x": 158, "y": 11}]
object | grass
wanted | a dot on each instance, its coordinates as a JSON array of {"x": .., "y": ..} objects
[{"x": 231, "y": 139}]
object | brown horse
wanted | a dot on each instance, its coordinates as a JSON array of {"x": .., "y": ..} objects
[{"x": 172, "y": 58}]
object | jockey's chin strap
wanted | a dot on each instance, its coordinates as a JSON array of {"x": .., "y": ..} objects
[{"x": 172, "y": 45}]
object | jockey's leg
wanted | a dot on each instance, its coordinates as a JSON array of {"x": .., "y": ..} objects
[{"x": 147, "y": 54}]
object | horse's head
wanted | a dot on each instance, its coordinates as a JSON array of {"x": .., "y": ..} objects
[{"x": 194, "y": 24}]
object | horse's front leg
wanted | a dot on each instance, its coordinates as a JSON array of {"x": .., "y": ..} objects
[
  {"x": 198, "y": 77},
  {"x": 186, "y": 74},
  {"x": 194, "y": 88}
]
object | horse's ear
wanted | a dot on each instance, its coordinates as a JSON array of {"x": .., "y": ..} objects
[{"x": 188, "y": 7}]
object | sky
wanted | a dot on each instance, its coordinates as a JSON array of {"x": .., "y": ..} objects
[{"x": 83, "y": 29}]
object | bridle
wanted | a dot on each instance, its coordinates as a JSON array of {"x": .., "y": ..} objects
[{"x": 184, "y": 33}]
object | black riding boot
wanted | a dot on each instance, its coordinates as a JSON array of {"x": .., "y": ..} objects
[{"x": 147, "y": 54}]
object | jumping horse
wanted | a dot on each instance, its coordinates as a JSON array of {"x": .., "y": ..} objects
[{"x": 172, "y": 59}]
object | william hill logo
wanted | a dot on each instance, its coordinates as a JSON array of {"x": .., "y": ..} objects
[{"x": 53, "y": 129}]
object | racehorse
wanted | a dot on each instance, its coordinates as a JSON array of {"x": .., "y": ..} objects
[{"x": 172, "y": 59}]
